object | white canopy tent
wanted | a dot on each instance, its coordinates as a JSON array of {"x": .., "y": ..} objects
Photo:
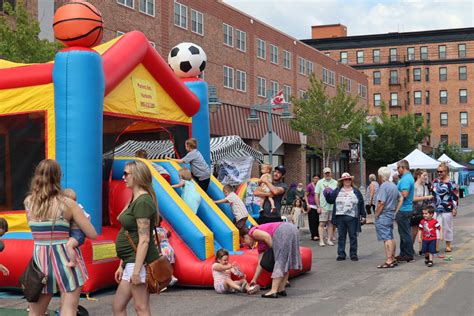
[
  {"x": 451, "y": 163},
  {"x": 418, "y": 159}
]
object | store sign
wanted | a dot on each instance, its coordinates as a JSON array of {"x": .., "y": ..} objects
[
  {"x": 354, "y": 152},
  {"x": 145, "y": 96}
]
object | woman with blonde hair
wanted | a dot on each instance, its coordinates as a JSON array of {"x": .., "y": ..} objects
[
  {"x": 138, "y": 220},
  {"x": 49, "y": 214}
]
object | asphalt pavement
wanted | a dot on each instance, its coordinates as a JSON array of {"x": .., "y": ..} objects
[{"x": 332, "y": 287}]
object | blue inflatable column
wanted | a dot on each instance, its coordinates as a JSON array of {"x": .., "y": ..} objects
[
  {"x": 79, "y": 87},
  {"x": 201, "y": 129}
]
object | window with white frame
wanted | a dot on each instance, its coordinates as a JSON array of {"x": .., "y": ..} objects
[
  {"x": 463, "y": 96},
  {"x": 302, "y": 94},
  {"x": 442, "y": 51},
  {"x": 147, "y": 7},
  {"x": 417, "y": 97},
  {"x": 273, "y": 54},
  {"x": 332, "y": 78},
  {"x": 377, "y": 77},
  {"x": 463, "y": 118},
  {"x": 228, "y": 77},
  {"x": 274, "y": 88},
  {"x": 343, "y": 57},
  {"x": 309, "y": 67},
  {"x": 240, "y": 40},
  {"x": 302, "y": 66},
  {"x": 376, "y": 55},
  {"x": 228, "y": 35},
  {"x": 346, "y": 82},
  {"x": 443, "y": 96},
  {"x": 360, "y": 56},
  {"x": 261, "y": 49},
  {"x": 377, "y": 99},
  {"x": 261, "y": 87},
  {"x": 461, "y": 50},
  {"x": 127, "y": 3},
  {"x": 423, "y": 52},
  {"x": 443, "y": 73},
  {"x": 462, "y": 73},
  {"x": 286, "y": 59},
  {"x": 443, "y": 118},
  {"x": 417, "y": 74},
  {"x": 362, "y": 90},
  {"x": 394, "y": 99},
  {"x": 325, "y": 76},
  {"x": 411, "y": 53},
  {"x": 241, "y": 80},
  {"x": 287, "y": 93},
  {"x": 180, "y": 15},
  {"x": 197, "y": 22}
]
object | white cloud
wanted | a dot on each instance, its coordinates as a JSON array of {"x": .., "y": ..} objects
[{"x": 295, "y": 17}]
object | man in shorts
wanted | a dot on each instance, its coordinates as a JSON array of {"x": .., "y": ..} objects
[{"x": 324, "y": 208}]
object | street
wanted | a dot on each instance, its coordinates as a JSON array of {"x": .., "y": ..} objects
[{"x": 336, "y": 288}]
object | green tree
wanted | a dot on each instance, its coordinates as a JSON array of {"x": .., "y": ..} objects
[
  {"x": 396, "y": 137},
  {"x": 326, "y": 120},
  {"x": 19, "y": 41},
  {"x": 454, "y": 152}
]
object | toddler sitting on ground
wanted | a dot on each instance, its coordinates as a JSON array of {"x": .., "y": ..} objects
[
  {"x": 76, "y": 236},
  {"x": 221, "y": 272}
]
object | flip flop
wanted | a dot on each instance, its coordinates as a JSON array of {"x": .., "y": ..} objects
[
  {"x": 386, "y": 266},
  {"x": 448, "y": 258}
]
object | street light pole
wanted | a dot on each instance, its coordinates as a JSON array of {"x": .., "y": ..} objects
[
  {"x": 270, "y": 136},
  {"x": 362, "y": 178}
]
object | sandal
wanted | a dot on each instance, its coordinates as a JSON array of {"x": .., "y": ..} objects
[
  {"x": 448, "y": 250},
  {"x": 430, "y": 263},
  {"x": 386, "y": 266},
  {"x": 243, "y": 287}
]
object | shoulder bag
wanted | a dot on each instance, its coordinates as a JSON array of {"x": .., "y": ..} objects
[
  {"x": 268, "y": 260},
  {"x": 33, "y": 279},
  {"x": 159, "y": 271}
]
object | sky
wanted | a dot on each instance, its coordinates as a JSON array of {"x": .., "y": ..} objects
[{"x": 295, "y": 17}]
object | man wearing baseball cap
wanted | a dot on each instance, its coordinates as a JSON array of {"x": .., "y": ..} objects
[
  {"x": 277, "y": 191},
  {"x": 324, "y": 208}
]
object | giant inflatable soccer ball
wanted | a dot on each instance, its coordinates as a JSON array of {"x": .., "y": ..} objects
[{"x": 187, "y": 60}]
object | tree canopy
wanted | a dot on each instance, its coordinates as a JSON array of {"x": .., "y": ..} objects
[
  {"x": 454, "y": 152},
  {"x": 19, "y": 41},
  {"x": 327, "y": 121},
  {"x": 396, "y": 137}
]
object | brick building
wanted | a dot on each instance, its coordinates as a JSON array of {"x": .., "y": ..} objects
[
  {"x": 428, "y": 73},
  {"x": 248, "y": 61}
]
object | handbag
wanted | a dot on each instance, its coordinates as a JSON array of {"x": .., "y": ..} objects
[
  {"x": 268, "y": 260},
  {"x": 158, "y": 272},
  {"x": 33, "y": 279}
]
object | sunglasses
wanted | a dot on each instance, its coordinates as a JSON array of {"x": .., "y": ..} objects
[
  {"x": 125, "y": 174},
  {"x": 440, "y": 171}
]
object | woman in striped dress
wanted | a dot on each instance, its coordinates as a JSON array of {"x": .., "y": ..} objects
[{"x": 49, "y": 214}]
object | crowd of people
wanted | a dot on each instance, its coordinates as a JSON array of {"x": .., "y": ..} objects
[{"x": 423, "y": 212}]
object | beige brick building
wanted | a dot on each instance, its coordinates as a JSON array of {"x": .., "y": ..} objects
[
  {"x": 428, "y": 73},
  {"x": 247, "y": 61}
]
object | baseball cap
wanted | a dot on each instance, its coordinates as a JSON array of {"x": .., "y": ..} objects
[
  {"x": 281, "y": 168},
  {"x": 326, "y": 170}
]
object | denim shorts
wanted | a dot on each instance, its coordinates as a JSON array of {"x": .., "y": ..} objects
[
  {"x": 384, "y": 227},
  {"x": 78, "y": 235},
  {"x": 428, "y": 246}
]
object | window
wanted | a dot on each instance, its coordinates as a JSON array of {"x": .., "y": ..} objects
[
  {"x": 261, "y": 49},
  {"x": 197, "y": 22},
  {"x": 424, "y": 52},
  {"x": 286, "y": 59},
  {"x": 302, "y": 65},
  {"x": 419, "y": 117},
  {"x": 417, "y": 74},
  {"x": 377, "y": 77},
  {"x": 443, "y": 139},
  {"x": 287, "y": 93},
  {"x": 464, "y": 141},
  {"x": 461, "y": 50},
  {"x": 127, "y": 3},
  {"x": 443, "y": 96},
  {"x": 180, "y": 15},
  {"x": 362, "y": 90},
  {"x": 427, "y": 74},
  {"x": 417, "y": 97},
  {"x": 261, "y": 87},
  {"x": 228, "y": 77},
  {"x": 325, "y": 76},
  {"x": 462, "y": 96},
  {"x": 393, "y": 76},
  {"x": 360, "y": 56},
  {"x": 443, "y": 119},
  {"x": 443, "y": 74},
  {"x": 240, "y": 40},
  {"x": 302, "y": 94},
  {"x": 376, "y": 55},
  {"x": 274, "y": 88},
  {"x": 463, "y": 118},
  {"x": 408, "y": 98},
  {"x": 462, "y": 73},
  {"x": 332, "y": 78},
  {"x": 394, "y": 99},
  {"x": 309, "y": 67},
  {"x": 147, "y": 7},
  {"x": 346, "y": 82},
  {"x": 343, "y": 57},
  {"x": 427, "y": 97},
  {"x": 274, "y": 54},
  {"x": 241, "y": 80},
  {"x": 428, "y": 118},
  {"x": 228, "y": 35},
  {"x": 393, "y": 55},
  {"x": 411, "y": 53},
  {"x": 328, "y": 54},
  {"x": 377, "y": 99},
  {"x": 442, "y": 51}
]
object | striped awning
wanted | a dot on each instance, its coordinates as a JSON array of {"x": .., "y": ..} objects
[{"x": 222, "y": 148}]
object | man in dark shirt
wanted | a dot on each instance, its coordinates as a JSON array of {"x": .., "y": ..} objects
[{"x": 277, "y": 191}]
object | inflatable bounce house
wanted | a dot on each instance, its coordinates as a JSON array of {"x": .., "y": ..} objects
[{"x": 86, "y": 103}]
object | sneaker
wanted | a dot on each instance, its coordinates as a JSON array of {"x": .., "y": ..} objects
[
  {"x": 330, "y": 243},
  {"x": 339, "y": 258},
  {"x": 409, "y": 259},
  {"x": 321, "y": 243},
  {"x": 173, "y": 281},
  {"x": 355, "y": 258},
  {"x": 430, "y": 263}
]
